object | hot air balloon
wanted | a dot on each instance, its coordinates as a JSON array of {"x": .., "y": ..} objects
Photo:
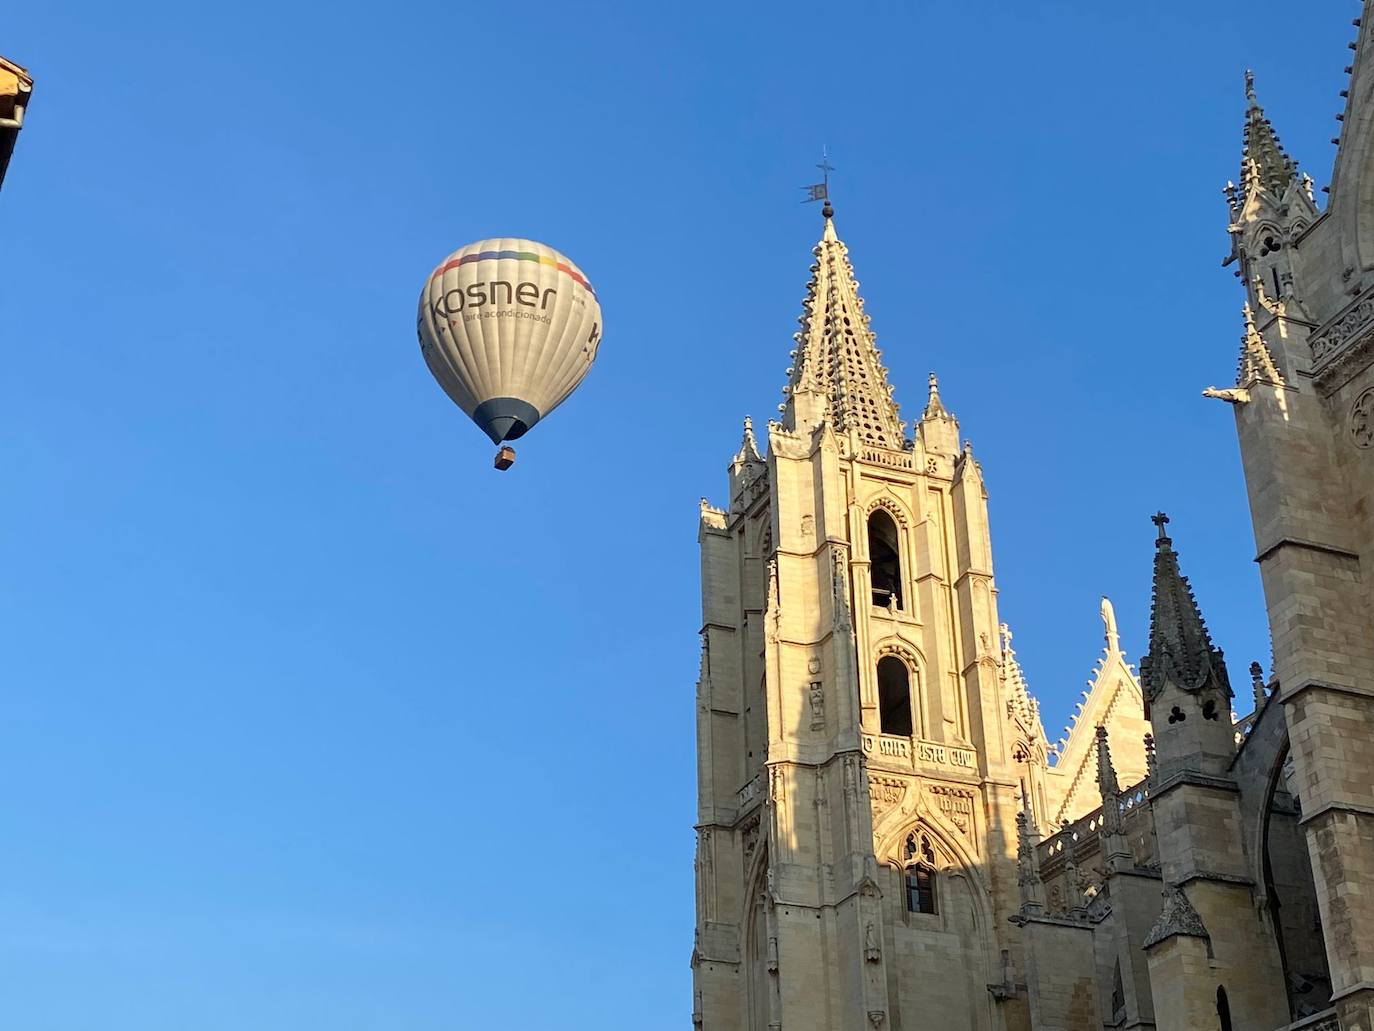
[{"x": 508, "y": 328}]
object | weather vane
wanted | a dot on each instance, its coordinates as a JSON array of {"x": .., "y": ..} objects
[{"x": 821, "y": 190}]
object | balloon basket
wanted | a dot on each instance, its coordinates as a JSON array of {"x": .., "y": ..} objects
[{"x": 505, "y": 458}]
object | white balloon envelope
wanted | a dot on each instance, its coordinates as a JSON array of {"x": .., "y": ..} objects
[{"x": 509, "y": 328}]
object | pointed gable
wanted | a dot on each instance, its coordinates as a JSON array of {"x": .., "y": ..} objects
[
  {"x": 837, "y": 359},
  {"x": 1114, "y": 702}
]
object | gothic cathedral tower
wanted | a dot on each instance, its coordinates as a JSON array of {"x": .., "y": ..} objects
[
  {"x": 1304, "y": 408},
  {"x": 860, "y": 771}
]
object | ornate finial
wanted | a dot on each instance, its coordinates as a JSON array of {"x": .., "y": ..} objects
[
  {"x": 1250, "y": 312},
  {"x": 1160, "y": 520},
  {"x": 1250, "y": 87},
  {"x": 1109, "y": 622},
  {"x": 1106, "y": 773},
  {"x": 1005, "y": 632},
  {"x": 934, "y": 406},
  {"x": 1151, "y": 760},
  {"x": 749, "y": 446},
  {"x": 1257, "y": 685}
]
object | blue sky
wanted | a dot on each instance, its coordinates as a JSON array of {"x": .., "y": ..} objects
[{"x": 308, "y": 718}]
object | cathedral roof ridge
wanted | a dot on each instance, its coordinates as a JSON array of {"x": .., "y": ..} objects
[{"x": 837, "y": 356}]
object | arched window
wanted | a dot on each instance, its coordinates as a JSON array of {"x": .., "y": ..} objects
[
  {"x": 920, "y": 875},
  {"x": 894, "y": 697},
  {"x": 1223, "y": 1009},
  {"x": 884, "y": 554}
]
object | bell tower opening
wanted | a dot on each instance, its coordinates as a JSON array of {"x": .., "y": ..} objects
[
  {"x": 894, "y": 696},
  {"x": 885, "y": 559}
]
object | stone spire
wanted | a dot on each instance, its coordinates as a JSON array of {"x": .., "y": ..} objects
[
  {"x": 1181, "y": 650},
  {"x": 1263, "y": 163},
  {"x": 837, "y": 371},
  {"x": 1115, "y": 850}
]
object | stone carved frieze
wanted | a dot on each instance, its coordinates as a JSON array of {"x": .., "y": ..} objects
[{"x": 1350, "y": 326}]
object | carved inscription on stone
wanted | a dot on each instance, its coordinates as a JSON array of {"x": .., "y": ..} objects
[
  {"x": 887, "y": 746},
  {"x": 955, "y": 803},
  {"x": 947, "y": 755}
]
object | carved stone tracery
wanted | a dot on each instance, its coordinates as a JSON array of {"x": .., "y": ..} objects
[{"x": 1362, "y": 420}]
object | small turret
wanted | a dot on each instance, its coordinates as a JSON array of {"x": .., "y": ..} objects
[
  {"x": 938, "y": 429},
  {"x": 1270, "y": 208}
]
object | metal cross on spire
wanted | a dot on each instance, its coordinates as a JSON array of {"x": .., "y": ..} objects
[{"x": 821, "y": 190}]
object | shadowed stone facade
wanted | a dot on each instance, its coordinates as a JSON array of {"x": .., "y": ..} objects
[
  {"x": 16, "y": 86},
  {"x": 887, "y": 839}
]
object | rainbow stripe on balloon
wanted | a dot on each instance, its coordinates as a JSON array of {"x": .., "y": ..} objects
[{"x": 543, "y": 259}]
